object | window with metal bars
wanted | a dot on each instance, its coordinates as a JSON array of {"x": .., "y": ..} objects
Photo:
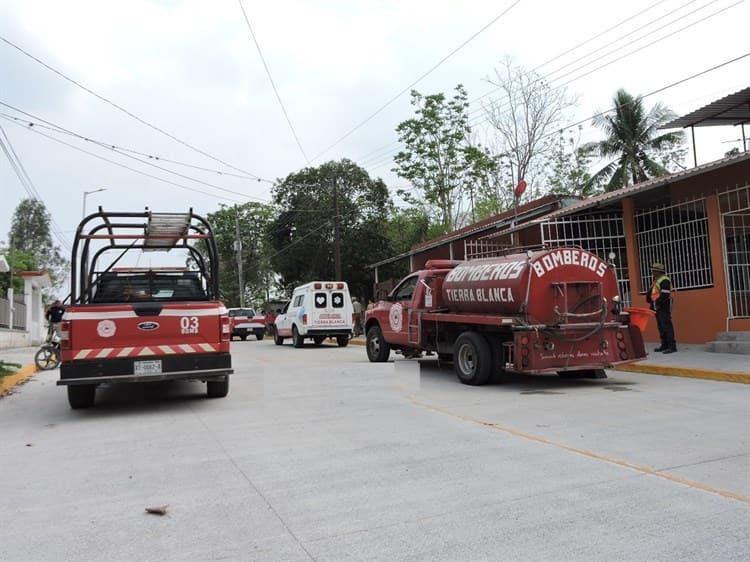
[
  {"x": 676, "y": 236},
  {"x": 735, "y": 214},
  {"x": 599, "y": 234}
]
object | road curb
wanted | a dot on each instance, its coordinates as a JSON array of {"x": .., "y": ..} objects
[
  {"x": 686, "y": 372},
  {"x": 662, "y": 370},
  {"x": 9, "y": 382}
]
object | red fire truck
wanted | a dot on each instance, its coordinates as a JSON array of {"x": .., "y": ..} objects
[
  {"x": 545, "y": 311},
  {"x": 141, "y": 324}
]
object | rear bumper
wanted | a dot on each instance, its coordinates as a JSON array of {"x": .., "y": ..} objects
[
  {"x": 209, "y": 366},
  {"x": 329, "y": 332}
]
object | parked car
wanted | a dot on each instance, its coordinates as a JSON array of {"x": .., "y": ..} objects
[{"x": 244, "y": 321}]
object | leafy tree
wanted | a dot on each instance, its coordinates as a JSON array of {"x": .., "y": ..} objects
[
  {"x": 439, "y": 159},
  {"x": 251, "y": 220},
  {"x": 568, "y": 167},
  {"x": 303, "y": 234},
  {"x": 631, "y": 139},
  {"x": 30, "y": 234},
  {"x": 18, "y": 261},
  {"x": 527, "y": 110}
]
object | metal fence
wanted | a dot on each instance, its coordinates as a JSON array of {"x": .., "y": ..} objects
[
  {"x": 19, "y": 313},
  {"x": 4, "y": 313},
  {"x": 676, "y": 236},
  {"x": 734, "y": 206},
  {"x": 599, "y": 234}
]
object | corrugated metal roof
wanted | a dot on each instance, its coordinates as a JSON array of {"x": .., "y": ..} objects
[
  {"x": 612, "y": 196},
  {"x": 733, "y": 109}
]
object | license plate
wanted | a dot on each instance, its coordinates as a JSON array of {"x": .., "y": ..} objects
[{"x": 147, "y": 367}]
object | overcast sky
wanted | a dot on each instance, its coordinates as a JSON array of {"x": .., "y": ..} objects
[{"x": 193, "y": 70}]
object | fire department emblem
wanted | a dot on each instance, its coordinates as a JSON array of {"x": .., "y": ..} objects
[
  {"x": 106, "y": 328},
  {"x": 395, "y": 316}
]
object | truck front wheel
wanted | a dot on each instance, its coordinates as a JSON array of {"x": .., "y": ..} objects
[
  {"x": 378, "y": 350},
  {"x": 81, "y": 396},
  {"x": 472, "y": 359}
]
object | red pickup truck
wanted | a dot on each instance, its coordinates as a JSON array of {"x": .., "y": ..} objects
[
  {"x": 244, "y": 321},
  {"x": 140, "y": 324}
]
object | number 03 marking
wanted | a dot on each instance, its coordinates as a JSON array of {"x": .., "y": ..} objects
[{"x": 189, "y": 324}]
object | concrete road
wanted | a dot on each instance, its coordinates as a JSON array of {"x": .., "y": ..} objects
[{"x": 317, "y": 454}]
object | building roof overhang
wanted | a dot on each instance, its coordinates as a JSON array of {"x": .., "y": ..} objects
[{"x": 733, "y": 109}]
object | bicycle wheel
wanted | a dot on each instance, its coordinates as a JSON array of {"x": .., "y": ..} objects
[{"x": 47, "y": 357}]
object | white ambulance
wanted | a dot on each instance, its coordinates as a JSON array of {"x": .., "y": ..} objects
[{"x": 318, "y": 310}]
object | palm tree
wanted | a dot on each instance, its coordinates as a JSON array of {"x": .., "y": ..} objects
[{"x": 632, "y": 141}]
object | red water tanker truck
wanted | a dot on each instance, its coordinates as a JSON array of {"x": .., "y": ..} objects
[{"x": 554, "y": 310}]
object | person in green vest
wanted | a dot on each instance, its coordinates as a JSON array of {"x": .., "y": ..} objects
[{"x": 660, "y": 300}]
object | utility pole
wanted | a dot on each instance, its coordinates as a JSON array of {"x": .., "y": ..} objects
[
  {"x": 336, "y": 233},
  {"x": 238, "y": 249}
]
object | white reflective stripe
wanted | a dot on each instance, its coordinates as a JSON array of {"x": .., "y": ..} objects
[
  {"x": 665, "y": 291},
  {"x": 206, "y": 346},
  {"x": 167, "y": 349},
  {"x": 101, "y": 315},
  {"x": 186, "y": 348},
  {"x": 125, "y": 351},
  {"x": 82, "y": 354},
  {"x": 115, "y": 315},
  {"x": 191, "y": 312},
  {"x": 145, "y": 351},
  {"x": 104, "y": 352}
]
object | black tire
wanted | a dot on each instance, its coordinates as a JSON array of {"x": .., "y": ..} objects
[
  {"x": 277, "y": 339},
  {"x": 472, "y": 359},
  {"x": 81, "y": 396},
  {"x": 378, "y": 349},
  {"x": 297, "y": 340},
  {"x": 217, "y": 389},
  {"x": 47, "y": 357},
  {"x": 243, "y": 337},
  {"x": 259, "y": 335},
  {"x": 343, "y": 341},
  {"x": 319, "y": 340}
]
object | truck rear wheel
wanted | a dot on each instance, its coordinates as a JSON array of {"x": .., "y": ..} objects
[
  {"x": 319, "y": 340},
  {"x": 472, "y": 359},
  {"x": 81, "y": 396},
  {"x": 217, "y": 389},
  {"x": 343, "y": 341},
  {"x": 378, "y": 350},
  {"x": 259, "y": 335},
  {"x": 277, "y": 339},
  {"x": 297, "y": 340}
]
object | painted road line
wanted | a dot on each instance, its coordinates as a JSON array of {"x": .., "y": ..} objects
[{"x": 648, "y": 471}]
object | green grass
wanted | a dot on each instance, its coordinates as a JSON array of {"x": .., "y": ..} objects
[{"x": 7, "y": 368}]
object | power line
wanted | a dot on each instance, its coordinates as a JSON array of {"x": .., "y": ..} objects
[
  {"x": 28, "y": 184},
  {"x": 383, "y": 159},
  {"x": 273, "y": 84},
  {"x": 418, "y": 80},
  {"x": 110, "y": 146},
  {"x": 125, "y": 111}
]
